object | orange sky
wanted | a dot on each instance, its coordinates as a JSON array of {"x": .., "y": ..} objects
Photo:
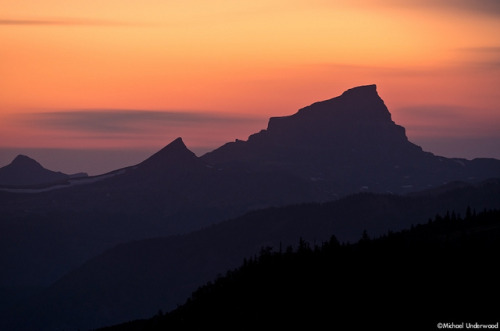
[{"x": 216, "y": 70}]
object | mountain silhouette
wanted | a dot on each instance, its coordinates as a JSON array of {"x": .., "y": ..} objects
[
  {"x": 324, "y": 152},
  {"x": 174, "y": 155},
  {"x": 171, "y": 192},
  {"x": 346, "y": 144},
  {"x": 24, "y": 171}
]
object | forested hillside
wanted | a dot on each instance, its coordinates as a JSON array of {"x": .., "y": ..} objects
[{"x": 440, "y": 271}]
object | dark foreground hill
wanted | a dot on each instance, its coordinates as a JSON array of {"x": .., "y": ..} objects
[
  {"x": 440, "y": 272},
  {"x": 136, "y": 279}
]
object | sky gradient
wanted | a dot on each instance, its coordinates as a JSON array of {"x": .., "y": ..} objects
[{"x": 126, "y": 77}]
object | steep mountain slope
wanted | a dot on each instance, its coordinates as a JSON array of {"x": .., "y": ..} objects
[
  {"x": 347, "y": 144},
  {"x": 23, "y": 171},
  {"x": 137, "y": 279}
]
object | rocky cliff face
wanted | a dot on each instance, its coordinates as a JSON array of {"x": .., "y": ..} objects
[
  {"x": 345, "y": 144},
  {"x": 355, "y": 122}
]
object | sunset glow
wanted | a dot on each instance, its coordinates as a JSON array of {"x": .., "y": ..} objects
[{"x": 221, "y": 68}]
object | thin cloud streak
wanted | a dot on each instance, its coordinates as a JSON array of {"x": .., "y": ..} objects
[
  {"x": 447, "y": 121},
  {"x": 480, "y": 7},
  {"x": 484, "y": 49},
  {"x": 486, "y": 57},
  {"x": 485, "y": 7},
  {"x": 435, "y": 111},
  {"x": 128, "y": 121},
  {"x": 470, "y": 7},
  {"x": 60, "y": 22}
]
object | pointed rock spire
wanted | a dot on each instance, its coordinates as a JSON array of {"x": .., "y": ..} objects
[{"x": 174, "y": 154}]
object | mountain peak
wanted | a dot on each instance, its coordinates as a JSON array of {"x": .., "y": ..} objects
[
  {"x": 357, "y": 104},
  {"x": 357, "y": 109},
  {"x": 175, "y": 152},
  {"x": 175, "y": 148},
  {"x": 359, "y": 91},
  {"x": 25, "y": 162},
  {"x": 177, "y": 143},
  {"x": 364, "y": 99},
  {"x": 352, "y": 126},
  {"x": 23, "y": 170}
]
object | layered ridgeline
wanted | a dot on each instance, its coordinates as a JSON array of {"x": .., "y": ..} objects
[
  {"x": 46, "y": 231},
  {"x": 137, "y": 279},
  {"x": 24, "y": 171},
  {"x": 323, "y": 152}
]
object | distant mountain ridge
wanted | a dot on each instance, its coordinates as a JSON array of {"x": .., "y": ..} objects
[
  {"x": 24, "y": 171},
  {"x": 324, "y": 152}
]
